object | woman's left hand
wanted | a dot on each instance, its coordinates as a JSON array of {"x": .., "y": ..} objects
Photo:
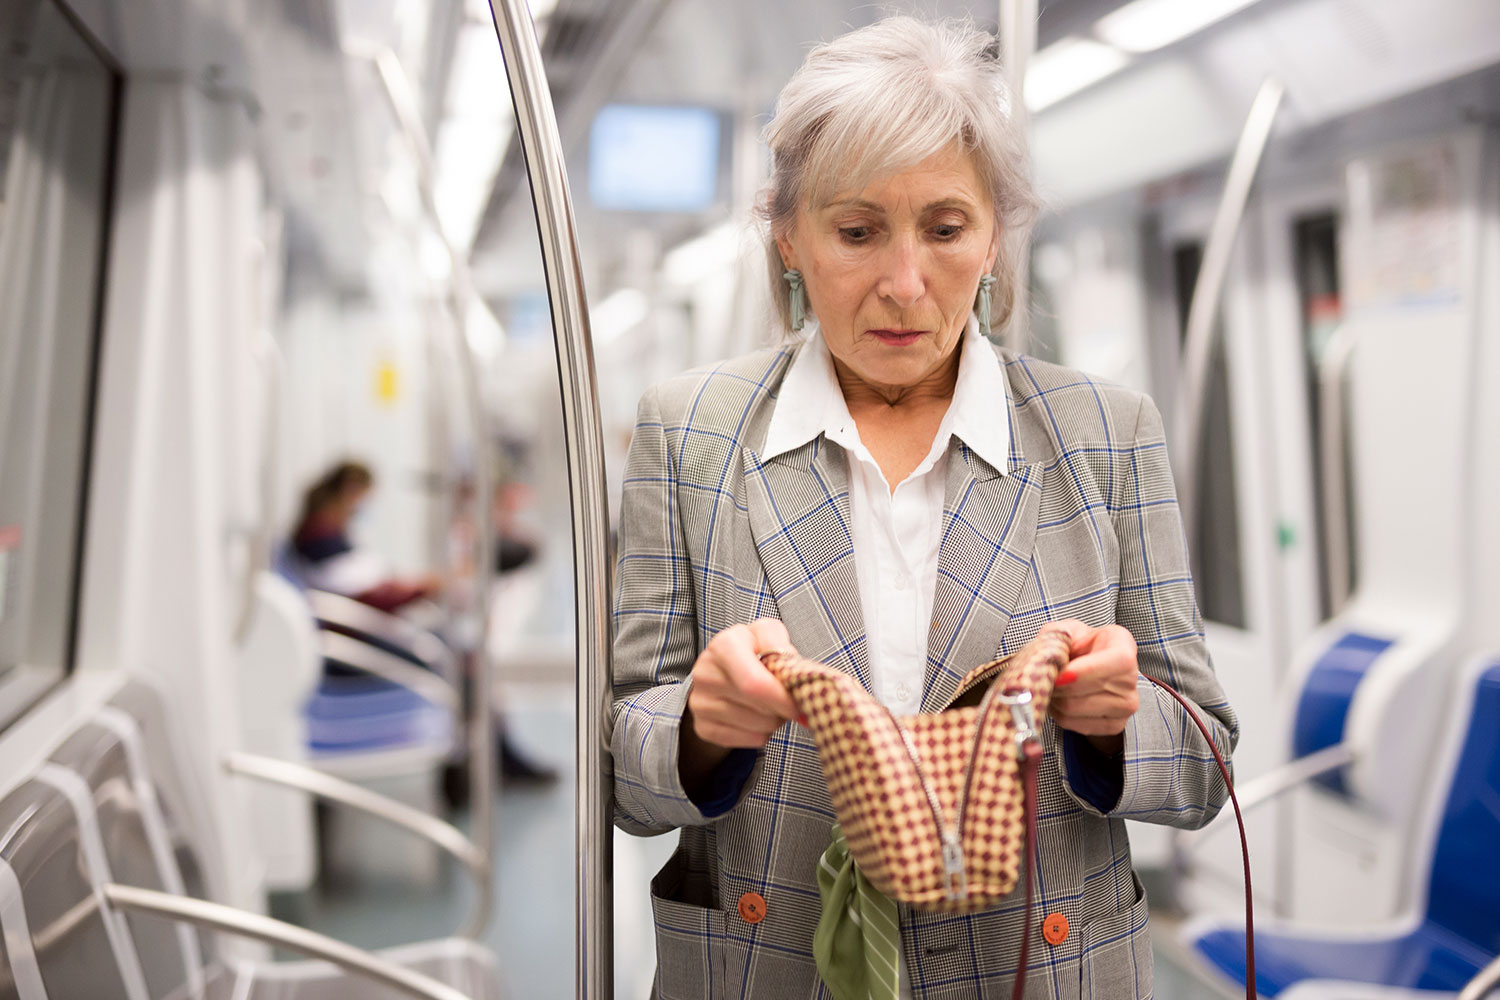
[{"x": 1096, "y": 694}]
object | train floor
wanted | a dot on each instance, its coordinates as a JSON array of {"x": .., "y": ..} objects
[{"x": 532, "y": 930}]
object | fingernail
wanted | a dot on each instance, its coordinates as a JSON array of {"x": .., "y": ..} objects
[
  {"x": 1065, "y": 677},
  {"x": 802, "y": 720}
]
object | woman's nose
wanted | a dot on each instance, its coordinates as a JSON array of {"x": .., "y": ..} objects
[{"x": 903, "y": 282}]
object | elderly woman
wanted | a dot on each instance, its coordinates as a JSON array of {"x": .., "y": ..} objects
[{"x": 895, "y": 497}]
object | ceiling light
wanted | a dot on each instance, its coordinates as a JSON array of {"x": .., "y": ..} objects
[
  {"x": 1147, "y": 25},
  {"x": 1066, "y": 67}
]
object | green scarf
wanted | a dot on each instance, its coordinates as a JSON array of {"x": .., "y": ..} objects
[{"x": 858, "y": 941}]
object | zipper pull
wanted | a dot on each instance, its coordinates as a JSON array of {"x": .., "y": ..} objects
[
  {"x": 953, "y": 865},
  {"x": 1023, "y": 714}
]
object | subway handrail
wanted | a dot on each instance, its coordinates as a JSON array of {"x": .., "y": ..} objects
[
  {"x": 1208, "y": 290},
  {"x": 290, "y": 774},
  {"x": 1483, "y": 984},
  {"x": 389, "y": 667},
  {"x": 1332, "y": 369},
  {"x": 541, "y": 148},
  {"x": 1273, "y": 784},
  {"x": 344, "y": 613},
  {"x": 1017, "y": 27},
  {"x": 242, "y": 923},
  {"x": 482, "y": 793}
]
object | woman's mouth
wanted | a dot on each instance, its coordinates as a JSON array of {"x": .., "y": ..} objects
[{"x": 896, "y": 338}]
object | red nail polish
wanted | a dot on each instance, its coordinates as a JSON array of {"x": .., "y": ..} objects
[
  {"x": 1065, "y": 677},
  {"x": 802, "y": 719}
]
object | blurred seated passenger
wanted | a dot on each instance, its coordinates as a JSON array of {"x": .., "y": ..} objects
[{"x": 329, "y": 560}]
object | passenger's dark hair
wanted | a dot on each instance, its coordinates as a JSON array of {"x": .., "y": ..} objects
[{"x": 331, "y": 485}]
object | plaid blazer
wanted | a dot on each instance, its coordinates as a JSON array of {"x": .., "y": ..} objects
[{"x": 1085, "y": 525}]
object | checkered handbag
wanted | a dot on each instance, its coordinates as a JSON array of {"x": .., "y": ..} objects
[
  {"x": 939, "y": 810},
  {"x": 933, "y": 806}
]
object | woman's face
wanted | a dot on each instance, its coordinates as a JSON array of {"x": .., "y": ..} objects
[{"x": 891, "y": 271}]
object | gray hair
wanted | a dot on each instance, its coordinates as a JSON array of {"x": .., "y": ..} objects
[{"x": 880, "y": 100}]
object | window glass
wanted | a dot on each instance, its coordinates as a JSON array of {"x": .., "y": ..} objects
[{"x": 57, "y": 109}]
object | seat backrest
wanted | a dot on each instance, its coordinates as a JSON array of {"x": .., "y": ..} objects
[
  {"x": 1464, "y": 886},
  {"x": 187, "y": 827},
  {"x": 79, "y": 949},
  {"x": 137, "y": 847},
  {"x": 111, "y": 804}
]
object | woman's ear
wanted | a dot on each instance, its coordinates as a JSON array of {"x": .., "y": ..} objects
[
  {"x": 994, "y": 252},
  {"x": 788, "y": 255}
]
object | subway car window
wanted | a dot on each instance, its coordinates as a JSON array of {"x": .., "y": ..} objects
[
  {"x": 56, "y": 114},
  {"x": 1215, "y": 548}
]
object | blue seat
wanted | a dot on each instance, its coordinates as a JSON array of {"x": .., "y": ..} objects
[
  {"x": 1457, "y": 932},
  {"x": 352, "y": 712}
]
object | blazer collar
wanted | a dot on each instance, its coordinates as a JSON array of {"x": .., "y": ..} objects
[{"x": 798, "y": 507}]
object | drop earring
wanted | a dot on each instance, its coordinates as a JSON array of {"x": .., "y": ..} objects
[
  {"x": 982, "y": 304},
  {"x": 796, "y": 298}
]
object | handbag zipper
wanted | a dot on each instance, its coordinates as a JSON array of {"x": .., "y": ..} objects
[{"x": 1024, "y": 716}]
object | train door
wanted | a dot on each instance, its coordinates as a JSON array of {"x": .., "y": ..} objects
[{"x": 1254, "y": 546}]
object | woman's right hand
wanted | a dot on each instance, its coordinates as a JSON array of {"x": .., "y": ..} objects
[{"x": 734, "y": 700}]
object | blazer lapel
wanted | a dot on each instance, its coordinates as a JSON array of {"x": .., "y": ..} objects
[
  {"x": 799, "y": 516},
  {"x": 984, "y": 559}
]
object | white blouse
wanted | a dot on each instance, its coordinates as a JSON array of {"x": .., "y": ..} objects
[{"x": 896, "y": 534}]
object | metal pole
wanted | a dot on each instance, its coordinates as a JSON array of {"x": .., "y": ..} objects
[
  {"x": 1208, "y": 290},
  {"x": 1017, "y": 28},
  {"x": 403, "y": 100},
  {"x": 536, "y": 127}
]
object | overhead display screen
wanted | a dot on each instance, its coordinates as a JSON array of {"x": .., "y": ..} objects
[{"x": 654, "y": 159}]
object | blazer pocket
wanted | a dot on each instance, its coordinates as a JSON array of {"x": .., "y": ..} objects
[
  {"x": 1117, "y": 952},
  {"x": 689, "y": 936}
]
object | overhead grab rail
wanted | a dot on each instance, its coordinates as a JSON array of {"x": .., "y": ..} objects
[
  {"x": 1208, "y": 290},
  {"x": 404, "y": 105},
  {"x": 541, "y": 148},
  {"x": 289, "y": 774},
  {"x": 241, "y": 923}
]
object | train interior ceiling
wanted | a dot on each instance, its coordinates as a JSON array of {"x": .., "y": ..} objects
[{"x": 243, "y": 241}]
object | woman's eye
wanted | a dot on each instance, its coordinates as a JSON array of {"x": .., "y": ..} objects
[
  {"x": 947, "y": 232},
  {"x": 854, "y": 234}
]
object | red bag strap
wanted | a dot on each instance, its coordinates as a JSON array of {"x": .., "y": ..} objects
[
  {"x": 1029, "y": 762},
  {"x": 1031, "y": 757}
]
